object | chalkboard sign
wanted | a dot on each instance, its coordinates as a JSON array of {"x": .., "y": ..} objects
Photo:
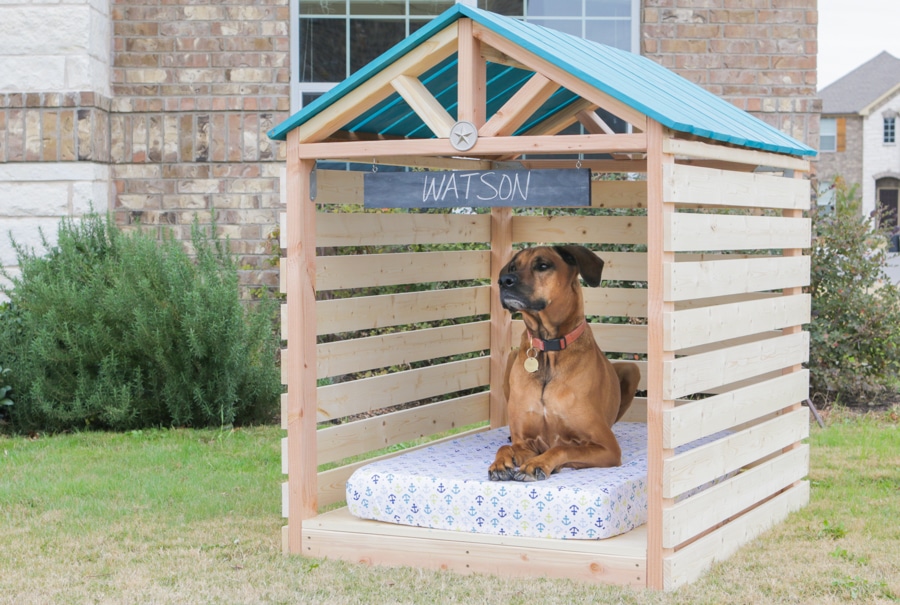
[{"x": 478, "y": 188}]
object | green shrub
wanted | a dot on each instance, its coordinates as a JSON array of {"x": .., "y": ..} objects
[
  {"x": 855, "y": 329},
  {"x": 119, "y": 331}
]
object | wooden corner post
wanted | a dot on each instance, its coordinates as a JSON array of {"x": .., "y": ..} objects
[
  {"x": 300, "y": 356},
  {"x": 659, "y": 212}
]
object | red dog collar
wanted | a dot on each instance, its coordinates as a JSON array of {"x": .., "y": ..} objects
[{"x": 557, "y": 344}]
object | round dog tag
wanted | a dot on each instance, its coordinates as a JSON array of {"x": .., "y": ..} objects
[{"x": 531, "y": 365}]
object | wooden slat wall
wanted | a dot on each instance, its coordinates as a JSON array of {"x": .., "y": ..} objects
[{"x": 734, "y": 338}]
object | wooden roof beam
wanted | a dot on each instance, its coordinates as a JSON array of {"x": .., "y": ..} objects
[
  {"x": 561, "y": 77},
  {"x": 519, "y": 107},
  {"x": 472, "y": 78},
  {"x": 377, "y": 88},
  {"x": 424, "y": 104}
]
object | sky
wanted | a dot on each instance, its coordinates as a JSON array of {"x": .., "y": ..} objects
[{"x": 853, "y": 31}]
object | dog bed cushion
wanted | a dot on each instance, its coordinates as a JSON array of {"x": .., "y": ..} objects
[{"x": 446, "y": 486}]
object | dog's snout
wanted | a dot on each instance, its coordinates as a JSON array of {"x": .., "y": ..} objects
[{"x": 508, "y": 280}]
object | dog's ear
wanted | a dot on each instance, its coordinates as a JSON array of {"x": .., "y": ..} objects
[{"x": 589, "y": 264}]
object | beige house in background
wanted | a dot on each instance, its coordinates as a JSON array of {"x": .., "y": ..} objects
[
  {"x": 159, "y": 110},
  {"x": 859, "y": 134}
]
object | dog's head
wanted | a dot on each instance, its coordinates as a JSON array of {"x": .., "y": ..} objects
[{"x": 537, "y": 278}]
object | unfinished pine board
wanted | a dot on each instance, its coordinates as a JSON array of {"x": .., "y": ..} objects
[
  {"x": 518, "y": 108},
  {"x": 580, "y": 229},
  {"x": 371, "y": 92},
  {"x": 379, "y": 229},
  {"x": 703, "y": 417},
  {"x": 563, "y": 78},
  {"x": 501, "y": 321},
  {"x": 688, "y": 280},
  {"x": 336, "y": 534},
  {"x": 712, "y": 506},
  {"x": 615, "y": 302},
  {"x": 694, "y": 327},
  {"x": 368, "y": 312},
  {"x": 370, "y": 434},
  {"x": 339, "y": 187},
  {"x": 686, "y": 232},
  {"x": 586, "y": 143},
  {"x": 332, "y": 484},
  {"x": 612, "y": 338},
  {"x": 360, "y": 271},
  {"x": 423, "y": 103},
  {"x": 368, "y": 394},
  {"x": 400, "y": 348},
  {"x": 704, "y": 371},
  {"x": 619, "y": 194},
  {"x": 685, "y": 184},
  {"x": 705, "y": 463},
  {"x": 690, "y": 562},
  {"x": 700, "y": 150}
]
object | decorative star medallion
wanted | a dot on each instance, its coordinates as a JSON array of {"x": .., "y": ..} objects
[{"x": 463, "y": 135}]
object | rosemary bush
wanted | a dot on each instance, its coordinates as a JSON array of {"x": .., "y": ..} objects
[{"x": 119, "y": 331}]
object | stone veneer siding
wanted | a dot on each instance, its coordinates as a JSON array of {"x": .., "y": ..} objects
[{"x": 179, "y": 118}]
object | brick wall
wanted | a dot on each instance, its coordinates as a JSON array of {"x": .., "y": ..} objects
[
  {"x": 195, "y": 87},
  {"x": 758, "y": 54},
  {"x": 847, "y": 164}
]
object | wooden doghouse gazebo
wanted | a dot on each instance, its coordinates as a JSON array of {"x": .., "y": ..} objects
[{"x": 707, "y": 225}]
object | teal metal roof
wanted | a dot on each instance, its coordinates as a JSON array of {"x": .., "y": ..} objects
[{"x": 634, "y": 80}]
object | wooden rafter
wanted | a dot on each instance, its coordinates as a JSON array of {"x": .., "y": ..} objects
[
  {"x": 472, "y": 70},
  {"x": 558, "y": 75},
  {"x": 423, "y": 103},
  {"x": 519, "y": 107},
  {"x": 379, "y": 87}
]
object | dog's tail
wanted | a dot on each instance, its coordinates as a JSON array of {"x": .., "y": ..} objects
[{"x": 629, "y": 378}]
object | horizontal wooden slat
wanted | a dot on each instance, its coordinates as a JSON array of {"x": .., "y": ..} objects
[
  {"x": 686, "y": 232},
  {"x": 689, "y": 563},
  {"x": 695, "y": 327},
  {"x": 361, "y": 271},
  {"x": 687, "y": 280},
  {"x": 709, "y": 186},
  {"x": 368, "y": 394},
  {"x": 705, "y": 463},
  {"x": 390, "y": 229},
  {"x": 612, "y": 338},
  {"x": 704, "y": 417},
  {"x": 370, "y": 434},
  {"x": 615, "y": 302},
  {"x": 707, "y": 151},
  {"x": 699, "y": 373},
  {"x": 332, "y": 484},
  {"x": 339, "y": 187},
  {"x": 619, "y": 194},
  {"x": 368, "y": 312},
  {"x": 705, "y": 510},
  {"x": 580, "y": 229},
  {"x": 360, "y": 354}
]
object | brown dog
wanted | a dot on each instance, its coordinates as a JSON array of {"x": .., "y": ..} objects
[{"x": 563, "y": 395}]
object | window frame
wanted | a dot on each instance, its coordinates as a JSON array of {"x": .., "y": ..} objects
[
  {"x": 824, "y": 132},
  {"x": 889, "y": 130}
]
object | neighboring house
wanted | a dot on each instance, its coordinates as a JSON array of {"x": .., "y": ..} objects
[
  {"x": 858, "y": 139},
  {"x": 158, "y": 109}
]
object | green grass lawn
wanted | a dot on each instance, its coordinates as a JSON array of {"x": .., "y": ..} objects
[{"x": 183, "y": 516}]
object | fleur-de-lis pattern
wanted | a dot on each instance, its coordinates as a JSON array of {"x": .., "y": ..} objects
[{"x": 446, "y": 486}]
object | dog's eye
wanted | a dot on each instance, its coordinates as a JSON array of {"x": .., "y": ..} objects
[{"x": 542, "y": 266}]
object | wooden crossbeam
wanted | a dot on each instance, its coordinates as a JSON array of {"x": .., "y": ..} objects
[
  {"x": 424, "y": 104},
  {"x": 519, "y": 107}
]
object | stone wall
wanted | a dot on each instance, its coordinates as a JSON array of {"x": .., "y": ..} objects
[
  {"x": 758, "y": 54},
  {"x": 847, "y": 164}
]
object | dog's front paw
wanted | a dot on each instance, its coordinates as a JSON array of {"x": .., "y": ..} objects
[
  {"x": 501, "y": 474},
  {"x": 537, "y": 475}
]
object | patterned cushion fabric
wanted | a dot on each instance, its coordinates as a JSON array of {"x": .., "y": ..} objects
[{"x": 446, "y": 486}]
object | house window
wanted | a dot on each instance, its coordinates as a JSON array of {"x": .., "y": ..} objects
[
  {"x": 890, "y": 130},
  {"x": 332, "y": 39},
  {"x": 828, "y": 134}
]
